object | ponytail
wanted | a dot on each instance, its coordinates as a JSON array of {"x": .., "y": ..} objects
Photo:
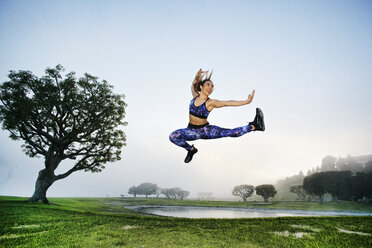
[{"x": 201, "y": 81}]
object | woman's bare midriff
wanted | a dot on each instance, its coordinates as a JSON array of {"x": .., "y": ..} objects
[{"x": 197, "y": 121}]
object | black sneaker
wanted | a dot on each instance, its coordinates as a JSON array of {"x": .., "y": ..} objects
[
  {"x": 190, "y": 154},
  {"x": 258, "y": 122}
]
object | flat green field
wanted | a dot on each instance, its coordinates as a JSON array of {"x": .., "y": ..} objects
[{"x": 91, "y": 222}]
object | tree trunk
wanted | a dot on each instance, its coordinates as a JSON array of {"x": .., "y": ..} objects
[{"x": 43, "y": 182}]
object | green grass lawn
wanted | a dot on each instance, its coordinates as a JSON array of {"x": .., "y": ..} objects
[{"x": 91, "y": 222}]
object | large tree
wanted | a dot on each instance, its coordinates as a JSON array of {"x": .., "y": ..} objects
[
  {"x": 244, "y": 191},
  {"x": 266, "y": 191},
  {"x": 63, "y": 119},
  {"x": 182, "y": 194},
  {"x": 133, "y": 191},
  {"x": 147, "y": 189},
  {"x": 171, "y": 193}
]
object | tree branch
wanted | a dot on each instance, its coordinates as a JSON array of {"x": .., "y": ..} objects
[
  {"x": 61, "y": 176},
  {"x": 37, "y": 147},
  {"x": 73, "y": 169}
]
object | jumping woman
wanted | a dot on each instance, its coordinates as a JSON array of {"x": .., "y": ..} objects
[{"x": 200, "y": 107}]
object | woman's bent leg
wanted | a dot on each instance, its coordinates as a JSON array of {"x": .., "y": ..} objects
[
  {"x": 180, "y": 136},
  {"x": 215, "y": 132}
]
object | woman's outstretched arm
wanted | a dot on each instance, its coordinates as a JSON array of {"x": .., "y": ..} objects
[
  {"x": 232, "y": 103},
  {"x": 194, "y": 86}
]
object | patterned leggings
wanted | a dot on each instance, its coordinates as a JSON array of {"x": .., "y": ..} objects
[{"x": 180, "y": 136}]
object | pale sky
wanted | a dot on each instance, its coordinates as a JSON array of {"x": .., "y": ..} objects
[{"x": 310, "y": 63}]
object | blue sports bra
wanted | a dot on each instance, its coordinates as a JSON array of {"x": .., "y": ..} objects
[{"x": 199, "y": 111}]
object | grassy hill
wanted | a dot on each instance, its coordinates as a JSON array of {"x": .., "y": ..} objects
[{"x": 92, "y": 222}]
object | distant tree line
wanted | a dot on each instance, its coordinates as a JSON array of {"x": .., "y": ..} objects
[
  {"x": 246, "y": 190},
  {"x": 175, "y": 193},
  {"x": 341, "y": 185},
  {"x": 205, "y": 195},
  {"x": 356, "y": 165},
  {"x": 147, "y": 189}
]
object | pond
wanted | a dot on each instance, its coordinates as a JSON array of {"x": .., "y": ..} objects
[{"x": 226, "y": 212}]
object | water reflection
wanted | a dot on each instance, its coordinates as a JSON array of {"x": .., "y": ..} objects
[{"x": 220, "y": 212}]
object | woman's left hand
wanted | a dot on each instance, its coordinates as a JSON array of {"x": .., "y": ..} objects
[{"x": 250, "y": 97}]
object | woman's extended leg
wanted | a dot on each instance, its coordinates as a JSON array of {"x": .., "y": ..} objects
[
  {"x": 215, "y": 132},
  {"x": 180, "y": 136}
]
